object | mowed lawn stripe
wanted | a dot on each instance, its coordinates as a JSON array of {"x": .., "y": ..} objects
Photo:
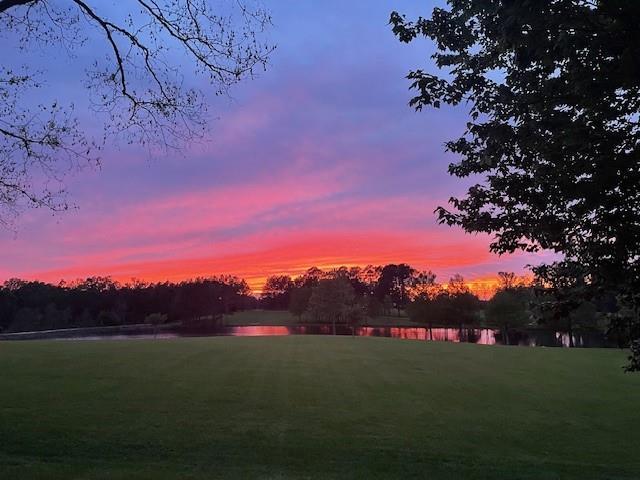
[{"x": 314, "y": 407}]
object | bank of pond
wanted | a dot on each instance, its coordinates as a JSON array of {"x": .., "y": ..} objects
[{"x": 481, "y": 336}]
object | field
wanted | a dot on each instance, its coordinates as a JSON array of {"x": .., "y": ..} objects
[
  {"x": 260, "y": 317},
  {"x": 314, "y": 407}
]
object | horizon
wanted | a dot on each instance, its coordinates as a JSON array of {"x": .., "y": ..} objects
[{"x": 483, "y": 288}]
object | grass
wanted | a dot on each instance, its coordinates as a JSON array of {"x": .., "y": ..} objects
[
  {"x": 261, "y": 317},
  {"x": 314, "y": 407}
]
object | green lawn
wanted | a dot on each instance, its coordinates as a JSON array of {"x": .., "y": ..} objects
[
  {"x": 260, "y": 317},
  {"x": 314, "y": 407}
]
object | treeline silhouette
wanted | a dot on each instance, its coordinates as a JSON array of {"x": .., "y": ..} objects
[
  {"x": 101, "y": 301},
  {"x": 341, "y": 296},
  {"x": 350, "y": 296}
]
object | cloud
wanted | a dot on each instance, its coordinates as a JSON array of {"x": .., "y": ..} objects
[{"x": 318, "y": 162}]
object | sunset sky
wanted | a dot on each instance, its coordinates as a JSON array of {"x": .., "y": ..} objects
[{"x": 318, "y": 161}]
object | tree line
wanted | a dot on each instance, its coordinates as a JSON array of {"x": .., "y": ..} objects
[
  {"x": 101, "y": 301},
  {"x": 350, "y": 296}
]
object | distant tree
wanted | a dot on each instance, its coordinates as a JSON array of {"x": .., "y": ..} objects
[
  {"x": 509, "y": 309},
  {"x": 554, "y": 95},
  {"x": 420, "y": 310},
  {"x": 354, "y": 276},
  {"x": 457, "y": 285},
  {"x": 508, "y": 281},
  {"x": 136, "y": 83},
  {"x": 276, "y": 292},
  {"x": 387, "y": 305},
  {"x": 8, "y": 307},
  {"x": 373, "y": 306},
  {"x": 463, "y": 304},
  {"x": 453, "y": 305},
  {"x": 424, "y": 284},
  {"x": 155, "y": 319},
  {"x": 100, "y": 301},
  {"x": 53, "y": 317},
  {"x": 370, "y": 275},
  {"x": 355, "y": 314},
  {"x": 299, "y": 301},
  {"x": 310, "y": 278},
  {"x": 395, "y": 281},
  {"x": 108, "y": 318},
  {"x": 85, "y": 319},
  {"x": 332, "y": 301},
  {"x": 26, "y": 319}
]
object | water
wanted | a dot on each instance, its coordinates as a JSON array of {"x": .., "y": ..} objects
[{"x": 480, "y": 336}]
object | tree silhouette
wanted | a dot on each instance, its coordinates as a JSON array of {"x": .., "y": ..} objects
[
  {"x": 395, "y": 281},
  {"x": 136, "y": 83},
  {"x": 554, "y": 95},
  {"x": 333, "y": 300},
  {"x": 299, "y": 300},
  {"x": 277, "y": 291},
  {"x": 508, "y": 308}
]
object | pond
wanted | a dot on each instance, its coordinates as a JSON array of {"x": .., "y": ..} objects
[{"x": 481, "y": 336}]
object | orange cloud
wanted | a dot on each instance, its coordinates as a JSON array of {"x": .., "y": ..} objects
[{"x": 291, "y": 255}]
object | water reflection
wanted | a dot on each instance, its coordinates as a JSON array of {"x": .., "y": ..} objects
[
  {"x": 481, "y": 336},
  {"x": 258, "y": 331}
]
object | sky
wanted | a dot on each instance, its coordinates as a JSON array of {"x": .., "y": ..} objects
[{"x": 319, "y": 161}]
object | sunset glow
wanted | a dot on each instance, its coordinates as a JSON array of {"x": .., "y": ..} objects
[{"x": 311, "y": 164}]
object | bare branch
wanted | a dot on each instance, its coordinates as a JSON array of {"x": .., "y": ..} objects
[
  {"x": 139, "y": 92},
  {"x": 7, "y": 4}
]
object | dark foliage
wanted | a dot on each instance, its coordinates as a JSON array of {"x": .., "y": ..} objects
[
  {"x": 553, "y": 132},
  {"x": 99, "y": 301}
]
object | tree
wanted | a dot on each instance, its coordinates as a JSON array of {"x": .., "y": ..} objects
[
  {"x": 508, "y": 308},
  {"x": 373, "y": 306},
  {"x": 395, "y": 281},
  {"x": 554, "y": 91},
  {"x": 299, "y": 301},
  {"x": 332, "y": 301},
  {"x": 560, "y": 290},
  {"x": 463, "y": 305},
  {"x": 310, "y": 278},
  {"x": 276, "y": 292},
  {"x": 136, "y": 86},
  {"x": 355, "y": 314},
  {"x": 421, "y": 310},
  {"x": 155, "y": 319},
  {"x": 424, "y": 284},
  {"x": 97, "y": 301},
  {"x": 108, "y": 318}
]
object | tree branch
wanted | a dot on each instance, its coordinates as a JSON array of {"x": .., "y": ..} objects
[{"x": 7, "y": 4}]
